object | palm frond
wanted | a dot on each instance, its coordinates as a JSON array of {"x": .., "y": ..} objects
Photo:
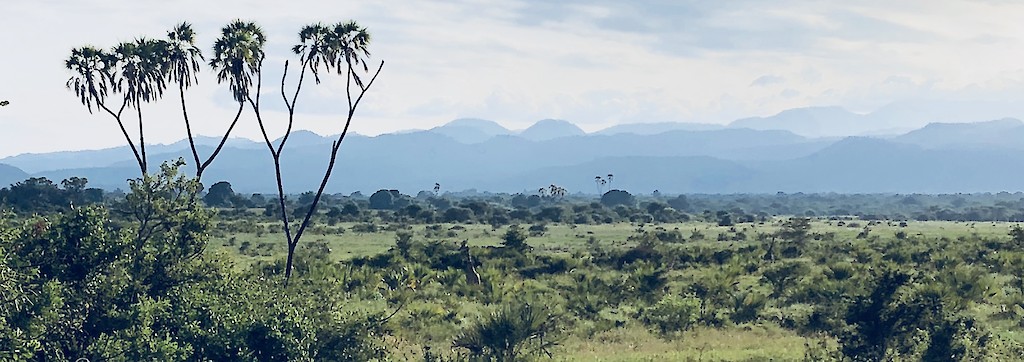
[{"x": 237, "y": 56}]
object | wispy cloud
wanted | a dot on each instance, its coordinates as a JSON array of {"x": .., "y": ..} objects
[
  {"x": 766, "y": 80},
  {"x": 593, "y": 62}
]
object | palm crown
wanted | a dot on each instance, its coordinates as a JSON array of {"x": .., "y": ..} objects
[
  {"x": 142, "y": 65},
  {"x": 182, "y": 55},
  {"x": 341, "y": 47},
  {"x": 93, "y": 75},
  {"x": 237, "y": 55}
]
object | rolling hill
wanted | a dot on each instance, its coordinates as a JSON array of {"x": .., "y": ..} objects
[{"x": 483, "y": 155}]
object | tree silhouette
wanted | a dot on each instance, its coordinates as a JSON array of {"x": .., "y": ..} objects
[
  {"x": 141, "y": 79},
  {"x": 4, "y": 103},
  {"x": 598, "y": 181},
  {"x": 93, "y": 81},
  {"x": 609, "y": 179},
  {"x": 220, "y": 195},
  {"x": 437, "y": 188},
  {"x": 183, "y": 58},
  {"x": 342, "y": 48},
  {"x": 556, "y": 191},
  {"x": 139, "y": 72}
]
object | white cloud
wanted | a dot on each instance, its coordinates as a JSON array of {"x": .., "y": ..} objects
[{"x": 597, "y": 63}]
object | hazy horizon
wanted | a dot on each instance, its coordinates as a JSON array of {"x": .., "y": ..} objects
[{"x": 596, "y": 64}]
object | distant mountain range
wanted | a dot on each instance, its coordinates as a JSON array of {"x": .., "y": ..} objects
[{"x": 800, "y": 150}]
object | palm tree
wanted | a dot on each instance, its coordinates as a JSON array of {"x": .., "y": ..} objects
[
  {"x": 238, "y": 57},
  {"x": 437, "y": 188},
  {"x": 342, "y": 48},
  {"x": 140, "y": 78},
  {"x": 609, "y": 178},
  {"x": 94, "y": 79},
  {"x": 556, "y": 191},
  {"x": 182, "y": 64},
  {"x": 597, "y": 182}
]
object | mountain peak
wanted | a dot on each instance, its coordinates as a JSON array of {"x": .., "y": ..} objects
[
  {"x": 471, "y": 130},
  {"x": 548, "y": 129},
  {"x": 1003, "y": 132},
  {"x": 809, "y": 122},
  {"x": 485, "y": 125},
  {"x": 303, "y": 137}
]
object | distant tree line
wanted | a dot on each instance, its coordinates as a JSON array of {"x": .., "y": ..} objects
[{"x": 39, "y": 194}]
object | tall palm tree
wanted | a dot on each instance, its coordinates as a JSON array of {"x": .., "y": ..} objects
[
  {"x": 140, "y": 78},
  {"x": 183, "y": 59},
  {"x": 182, "y": 66},
  {"x": 345, "y": 49},
  {"x": 93, "y": 80}
]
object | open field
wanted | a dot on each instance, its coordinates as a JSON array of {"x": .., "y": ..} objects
[
  {"x": 618, "y": 332},
  {"x": 348, "y": 244}
]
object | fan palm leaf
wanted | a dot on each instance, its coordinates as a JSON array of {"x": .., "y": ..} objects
[
  {"x": 182, "y": 55},
  {"x": 237, "y": 55},
  {"x": 92, "y": 80}
]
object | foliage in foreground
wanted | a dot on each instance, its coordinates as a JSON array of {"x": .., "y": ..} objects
[{"x": 81, "y": 285}]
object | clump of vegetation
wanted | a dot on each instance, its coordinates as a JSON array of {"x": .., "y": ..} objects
[{"x": 516, "y": 330}]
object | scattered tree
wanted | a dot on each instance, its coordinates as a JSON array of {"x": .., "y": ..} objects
[
  {"x": 220, "y": 195},
  {"x": 617, "y": 197},
  {"x": 342, "y": 48},
  {"x": 382, "y": 200},
  {"x": 515, "y": 238}
]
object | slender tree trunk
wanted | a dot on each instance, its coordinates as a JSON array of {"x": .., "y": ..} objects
[
  {"x": 223, "y": 140},
  {"x": 330, "y": 165},
  {"x": 142, "y": 139},
  {"x": 284, "y": 219},
  {"x": 188, "y": 131},
  {"x": 124, "y": 131}
]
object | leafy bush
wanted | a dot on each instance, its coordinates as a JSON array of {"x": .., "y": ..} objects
[
  {"x": 673, "y": 313},
  {"x": 515, "y": 239},
  {"x": 515, "y": 331}
]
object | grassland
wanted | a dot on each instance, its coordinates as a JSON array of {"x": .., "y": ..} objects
[
  {"x": 346, "y": 243},
  {"x": 771, "y": 336}
]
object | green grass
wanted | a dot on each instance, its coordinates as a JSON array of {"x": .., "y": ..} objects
[
  {"x": 563, "y": 237},
  {"x": 739, "y": 343},
  {"x": 632, "y": 341}
]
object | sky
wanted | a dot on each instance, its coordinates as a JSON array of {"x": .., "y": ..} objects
[{"x": 594, "y": 63}]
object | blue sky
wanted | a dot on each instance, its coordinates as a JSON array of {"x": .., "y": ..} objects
[{"x": 595, "y": 63}]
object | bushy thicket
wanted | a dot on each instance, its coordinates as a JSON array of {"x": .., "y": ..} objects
[{"x": 133, "y": 282}]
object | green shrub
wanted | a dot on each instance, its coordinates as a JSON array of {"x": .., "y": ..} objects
[
  {"x": 673, "y": 313},
  {"x": 515, "y": 331}
]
